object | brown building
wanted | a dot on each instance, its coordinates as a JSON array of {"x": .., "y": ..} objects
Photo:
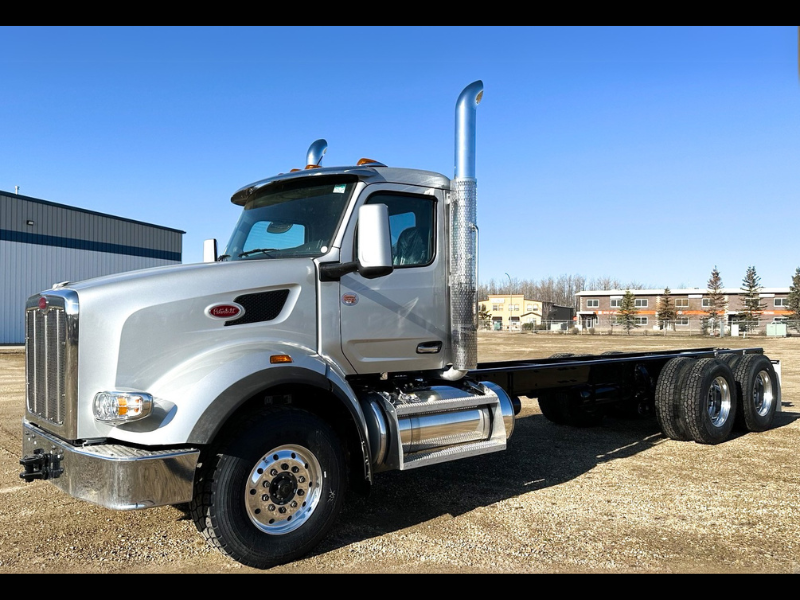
[{"x": 599, "y": 309}]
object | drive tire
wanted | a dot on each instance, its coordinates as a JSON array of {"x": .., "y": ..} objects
[
  {"x": 272, "y": 489},
  {"x": 708, "y": 401},
  {"x": 566, "y": 408},
  {"x": 550, "y": 405},
  {"x": 757, "y": 386},
  {"x": 731, "y": 359},
  {"x": 668, "y": 399}
]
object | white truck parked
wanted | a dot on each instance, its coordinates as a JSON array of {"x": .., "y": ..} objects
[{"x": 334, "y": 339}]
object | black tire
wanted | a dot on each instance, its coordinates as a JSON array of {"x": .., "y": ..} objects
[
  {"x": 609, "y": 352},
  {"x": 708, "y": 401},
  {"x": 566, "y": 408},
  {"x": 758, "y": 392},
  {"x": 561, "y": 355},
  {"x": 550, "y": 405},
  {"x": 731, "y": 359},
  {"x": 668, "y": 399},
  {"x": 273, "y": 489}
]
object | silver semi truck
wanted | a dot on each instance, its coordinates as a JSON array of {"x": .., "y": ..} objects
[{"x": 335, "y": 338}]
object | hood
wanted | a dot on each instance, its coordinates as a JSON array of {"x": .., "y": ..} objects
[{"x": 134, "y": 326}]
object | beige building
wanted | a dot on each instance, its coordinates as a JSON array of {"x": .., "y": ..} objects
[{"x": 509, "y": 312}]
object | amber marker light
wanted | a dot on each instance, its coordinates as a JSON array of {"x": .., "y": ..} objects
[
  {"x": 280, "y": 358},
  {"x": 366, "y": 161}
]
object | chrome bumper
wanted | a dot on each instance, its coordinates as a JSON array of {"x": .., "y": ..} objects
[{"x": 110, "y": 475}]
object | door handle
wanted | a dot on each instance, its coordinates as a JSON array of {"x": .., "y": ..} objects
[{"x": 429, "y": 347}]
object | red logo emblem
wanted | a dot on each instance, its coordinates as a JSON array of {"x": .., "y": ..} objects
[
  {"x": 42, "y": 303},
  {"x": 225, "y": 311}
]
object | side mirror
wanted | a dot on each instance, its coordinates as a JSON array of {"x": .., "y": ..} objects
[
  {"x": 374, "y": 241},
  {"x": 374, "y": 247},
  {"x": 210, "y": 251}
]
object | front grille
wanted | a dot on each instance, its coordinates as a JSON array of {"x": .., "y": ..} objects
[{"x": 45, "y": 358}]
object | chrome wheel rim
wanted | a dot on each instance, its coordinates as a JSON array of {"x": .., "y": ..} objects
[
  {"x": 763, "y": 396},
  {"x": 718, "y": 402},
  {"x": 283, "y": 489}
]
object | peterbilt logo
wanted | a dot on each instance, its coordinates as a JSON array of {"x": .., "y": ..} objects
[{"x": 225, "y": 311}]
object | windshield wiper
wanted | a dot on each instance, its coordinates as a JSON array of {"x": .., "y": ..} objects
[{"x": 262, "y": 250}]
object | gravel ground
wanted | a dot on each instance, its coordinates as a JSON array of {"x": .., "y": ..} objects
[{"x": 619, "y": 498}]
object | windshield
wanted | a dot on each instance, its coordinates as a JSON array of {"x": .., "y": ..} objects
[{"x": 296, "y": 218}]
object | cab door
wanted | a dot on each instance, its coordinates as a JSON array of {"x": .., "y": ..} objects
[{"x": 399, "y": 322}]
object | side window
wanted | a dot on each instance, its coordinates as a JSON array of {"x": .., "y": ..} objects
[{"x": 411, "y": 222}]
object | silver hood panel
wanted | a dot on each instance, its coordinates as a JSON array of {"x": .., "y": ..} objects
[{"x": 147, "y": 330}]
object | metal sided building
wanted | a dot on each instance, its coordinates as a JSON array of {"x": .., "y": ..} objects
[{"x": 43, "y": 243}]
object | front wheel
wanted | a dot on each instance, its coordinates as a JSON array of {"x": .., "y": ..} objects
[{"x": 273, "y": 489}]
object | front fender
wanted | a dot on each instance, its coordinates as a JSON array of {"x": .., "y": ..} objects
[
  {"x": 187, "y": 391},
  {"x": 195, "y": 399}
]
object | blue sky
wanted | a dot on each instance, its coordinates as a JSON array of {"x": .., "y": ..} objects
[{"x": 646, "y": 154}]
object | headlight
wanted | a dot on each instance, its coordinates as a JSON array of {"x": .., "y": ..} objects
[{"x": 121, "y": 407}]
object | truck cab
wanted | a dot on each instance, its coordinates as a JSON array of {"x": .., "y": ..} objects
[{"x": 389, "y": 320}]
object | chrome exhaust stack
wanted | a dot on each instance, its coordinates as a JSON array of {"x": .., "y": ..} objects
[
  {"x": 316, "y": 151},
  {"x": 464, "y": 238}
]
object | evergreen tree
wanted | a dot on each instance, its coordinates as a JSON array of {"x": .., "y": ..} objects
[
  {"x": 626, "y": 315},
  {"x": 716, "y": 300},
  {"x": 752, "y": 307},
  {"x": 793, "y": 300},
  {"x": 666, "y": 313}
]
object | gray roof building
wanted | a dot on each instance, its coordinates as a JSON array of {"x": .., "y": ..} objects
[{"x": 43, "y": 243}]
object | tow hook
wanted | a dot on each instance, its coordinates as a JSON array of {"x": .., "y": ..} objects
[{"x": 41, "y": 466}]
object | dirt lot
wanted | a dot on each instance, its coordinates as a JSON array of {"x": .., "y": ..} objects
[{"x": 619, "y": 498}]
